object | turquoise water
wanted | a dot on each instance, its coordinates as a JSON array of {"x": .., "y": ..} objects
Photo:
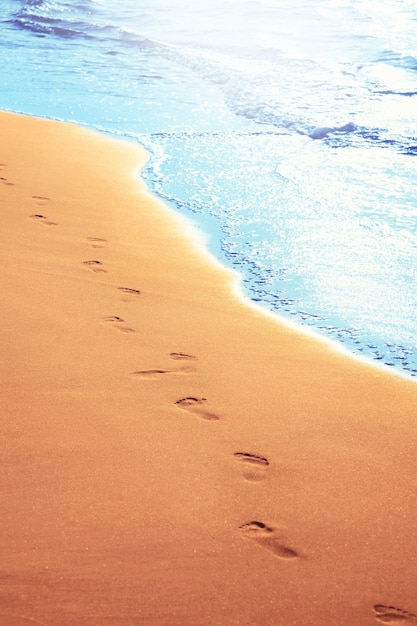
[{"x": 286, "y": 130}]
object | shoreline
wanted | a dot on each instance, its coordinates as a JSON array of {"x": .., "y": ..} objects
[
  {"x": 172, "y": 455},
  {"x": 201, "y": 237}
]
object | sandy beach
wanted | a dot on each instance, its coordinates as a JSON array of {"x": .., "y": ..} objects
[{"x": 170, "y": 454}]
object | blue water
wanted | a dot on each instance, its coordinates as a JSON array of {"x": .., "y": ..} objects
[{"x": 285, "y": 128}]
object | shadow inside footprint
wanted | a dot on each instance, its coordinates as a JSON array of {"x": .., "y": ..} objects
[
  {"x": 132, "y": 292},
  {"x": 6, "y": 182},
  {"x": 40, "y": 200},
  {"x": 267, "y": 538},
  {"x": 97, "y": 242},
  {"x": 128, "y": 293},
  {"x": 42, "y": 218},
  {"x": 149, "y": 373},
  {"x": 153, "y": 373},
  {"x": 181, "y": 356},
  {"x": 393, "y": 615},
  {"x": 194, "y": 405},
  {"x": 254, "y": 466},
  {"x": 96, "y": 266},
  {"x": 118, "y": 323}
]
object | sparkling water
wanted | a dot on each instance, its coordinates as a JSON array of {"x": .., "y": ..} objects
[{"x": 285, "y": 129}]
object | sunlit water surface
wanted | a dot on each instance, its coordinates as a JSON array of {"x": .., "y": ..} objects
[{"x": 286, "y": 130}]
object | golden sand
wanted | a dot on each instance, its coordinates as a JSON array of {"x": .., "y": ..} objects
[{"x": 170, "y": 455}]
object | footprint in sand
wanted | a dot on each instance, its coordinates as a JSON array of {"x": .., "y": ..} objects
[
  {"x": 95, "y": 266},
  {"x": 6, "y": 182},
  {"x": 254, "y": 466},
  {"x": 392, "y": 615},
  {"x": 181, "y": 356},
  {"x": 42, "y": 219},
  {"x": 118, "y": 323},
  {"x": 97, "y": 242},
  {"x": 128, "y": 293},
  {"x": 149, "y": 373},
  {"x": 267, "y": 538},
  {"x": 41, "y": 200},
  {"x": 195, "y": 405},
  {"x": 155, "y": 373}
]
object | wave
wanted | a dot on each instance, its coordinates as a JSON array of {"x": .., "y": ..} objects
[
  {"x": 62, "y": 20},
  {"x": 261, "y": 84},
  {"x": 277, "y": 119},
  {"x": 66, "y": 21},
  {"x": 28, "y": 5},
  {"x": 45, "y": 26}
]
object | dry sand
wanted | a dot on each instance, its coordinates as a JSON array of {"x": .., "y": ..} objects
[{"x": 171, "y": 455}]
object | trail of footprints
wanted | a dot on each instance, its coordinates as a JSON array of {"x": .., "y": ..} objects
[{"x": 254, "y": 467}]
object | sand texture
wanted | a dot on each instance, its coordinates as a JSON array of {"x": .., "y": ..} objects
[{"x": 169, "y": 455}]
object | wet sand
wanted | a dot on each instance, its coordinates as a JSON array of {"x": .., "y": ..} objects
[{"x": 172, "y": 455}]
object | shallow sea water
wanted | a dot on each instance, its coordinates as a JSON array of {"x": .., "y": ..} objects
[{"x": 285, "y": 130}]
